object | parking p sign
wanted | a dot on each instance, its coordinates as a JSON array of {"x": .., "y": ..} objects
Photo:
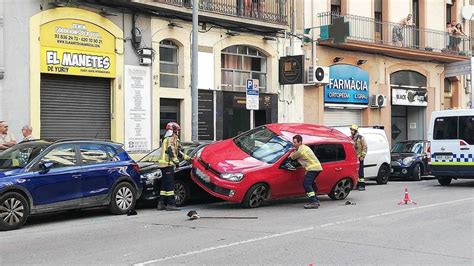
[{"x": 252, "y": 94}]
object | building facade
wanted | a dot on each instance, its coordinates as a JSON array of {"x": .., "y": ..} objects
[{"x": 385, "y": 71}]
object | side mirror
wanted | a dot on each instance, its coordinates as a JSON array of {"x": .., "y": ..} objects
[{"x": 45, "y": 167}]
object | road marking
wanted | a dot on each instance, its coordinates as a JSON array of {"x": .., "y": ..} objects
[
  {"x": 225, "y": 246},
  {"x": 298, "y": 231}
]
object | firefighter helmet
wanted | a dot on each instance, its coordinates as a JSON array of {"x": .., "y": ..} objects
[
  {"x": 173, "y": 126},
  {"x": 355, "y": 127}
]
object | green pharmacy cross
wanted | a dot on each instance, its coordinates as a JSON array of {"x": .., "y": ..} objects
[{"x": 339, "y": 30}]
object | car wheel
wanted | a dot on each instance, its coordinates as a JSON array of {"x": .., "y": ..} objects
[
  {"x": 383, "y": 174},
  {"x": 123, "y": 198},
  {"x": 417, "y": 172},
  {"x": 181, "y": 192},
  {"x": 14, "y": 211},
  {"x": 256, "y": 195},
  {"x": 341, "y": 189},
  {"x": 445, "y": 181}
]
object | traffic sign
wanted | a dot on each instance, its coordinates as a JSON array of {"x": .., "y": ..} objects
[{"x": 252, "y": 94}]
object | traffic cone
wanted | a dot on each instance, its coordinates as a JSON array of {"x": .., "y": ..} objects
[{"x": 406, "y": 199}]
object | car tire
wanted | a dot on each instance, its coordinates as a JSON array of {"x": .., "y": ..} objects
[
  {"x": 341, "y": 189},
  {"x": 416, "y": 172},
  {"x": 14, "y": 211},
  {"x": 256, "y": 195},
  {"x": 123, "y": 198},
  {"x": 383, "y": 174},
  {"x": 445, "y": 181},
  {"x": 181, "y": 192}
]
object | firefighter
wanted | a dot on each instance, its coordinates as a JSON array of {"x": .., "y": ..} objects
[
  {"x": 171, "y": 154},
  {"x": 311, "y": 164},
  {"x": 360, "y": 147}
]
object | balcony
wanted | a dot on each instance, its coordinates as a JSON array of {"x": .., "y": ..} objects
[
  {"x": 392, "y": 39},
  {"x": 250, "y": 15}
]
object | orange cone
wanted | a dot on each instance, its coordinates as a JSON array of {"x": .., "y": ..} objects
[{"x": 406, "y": 199}]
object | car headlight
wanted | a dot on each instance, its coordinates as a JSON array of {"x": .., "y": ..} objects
[
  {"x": 408, "y": 160},
  {"x": 232, "y": 176},
  {"x": 153, "y": 175}
]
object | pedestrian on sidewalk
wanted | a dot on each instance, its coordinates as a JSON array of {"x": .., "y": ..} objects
[
  {"x": 27, "y": 132},
  {"x": 6, "y": 139},
  {"x": 311, "y": 164},
  {"x": 171, "y": 155},
  {"x": 360, "y": 146}
]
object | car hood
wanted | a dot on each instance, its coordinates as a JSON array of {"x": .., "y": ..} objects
[
  {"x": 10, "y": 172},
  {"x": 226, "y": 157},
  {"x": 400, "y": 156}
]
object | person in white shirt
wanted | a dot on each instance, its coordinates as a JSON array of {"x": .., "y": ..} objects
[
  {"x": 27, "y": 132},
  {"x": 6, "y": 139}
]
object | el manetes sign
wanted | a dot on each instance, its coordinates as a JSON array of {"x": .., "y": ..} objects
[{"x": 76, "y": 47}]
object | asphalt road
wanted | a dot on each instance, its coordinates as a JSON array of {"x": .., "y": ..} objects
[{"x": 438, "y": 230}]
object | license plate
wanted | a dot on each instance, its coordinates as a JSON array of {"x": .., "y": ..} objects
[
  {"x": 444, "y": 157},
  {"x": 201, "y": 175}
]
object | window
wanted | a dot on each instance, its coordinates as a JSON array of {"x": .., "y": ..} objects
[
  {"x": 446, "y": 128},
  {"x": 168, "y": 64},
  {"x": 93, "y": 154},
  {"x": 329, "y": 152},
  {"x": 466, "y": 129},
  {"x": 378, "y": 19},
  {"x": 62, "y": 156},
  {"x": 239, "y": 63}
]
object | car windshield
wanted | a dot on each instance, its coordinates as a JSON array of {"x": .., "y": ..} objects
[
  {"x": 263, "y": 144},
  {"x": 154, "y": 156},
  {"x": 405, "y": 147},
  {"x": 21, "y": 154}
]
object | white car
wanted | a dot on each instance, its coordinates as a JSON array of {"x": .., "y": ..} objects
[{"x": 377, "y": 160}]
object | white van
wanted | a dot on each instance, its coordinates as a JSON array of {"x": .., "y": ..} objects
[
  {"x": 377, "y": 160},
  {"x": 451, "y": 136}
]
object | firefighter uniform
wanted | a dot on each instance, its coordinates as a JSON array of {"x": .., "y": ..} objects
[
  {"x": 360, "y": 146},
  {"x": 306, "y": 157},
  {"x": 169, "y": 159}
]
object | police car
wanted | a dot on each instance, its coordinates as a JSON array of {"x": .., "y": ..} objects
[{"x": 451, "y": 135}]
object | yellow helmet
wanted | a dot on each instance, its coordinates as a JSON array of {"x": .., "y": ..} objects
[{"x": 355, "y": 127}]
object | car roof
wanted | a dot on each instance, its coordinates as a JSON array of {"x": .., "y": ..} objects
[{"x": 311, "y": 133}]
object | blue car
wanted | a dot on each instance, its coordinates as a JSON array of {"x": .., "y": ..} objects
[
  {"x": 40, "y": 176},
  {"x": 410, "y": 159}
]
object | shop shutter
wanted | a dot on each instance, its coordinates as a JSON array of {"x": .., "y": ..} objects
[
  {"x": 75, "y": 107},
  {"x": 338, "y": 117}
]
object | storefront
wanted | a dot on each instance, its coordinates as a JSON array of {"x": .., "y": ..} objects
[
  {"x": 346, "y": 95},
  {"x": 75, "y": 75},
  {"x": 409, "y": 102}
]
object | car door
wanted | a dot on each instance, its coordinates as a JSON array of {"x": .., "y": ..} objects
[
  {"x": 287, "y": 180},
  {"x": 97, "y": 168},
  {"x": 60, "y": 185},
  {"x": 331, "y": 156}
]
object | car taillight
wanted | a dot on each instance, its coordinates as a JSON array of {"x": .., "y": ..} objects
[
  {"x": 428, "y": 153},
  {"x": 136, "y": 167}
]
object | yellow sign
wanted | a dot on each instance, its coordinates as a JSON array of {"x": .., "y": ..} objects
[{"x": 76, "y": 47}]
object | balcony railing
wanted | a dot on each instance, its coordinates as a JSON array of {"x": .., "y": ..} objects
[
  {"x": 268, "y": 11},
  {"x": 393, "y": 34}
]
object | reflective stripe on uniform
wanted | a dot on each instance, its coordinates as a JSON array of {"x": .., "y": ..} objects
[
  {"x": 361, "y": 180},
  {"x": 166, "y": 193},
  {"x": 311, "y": 194}
]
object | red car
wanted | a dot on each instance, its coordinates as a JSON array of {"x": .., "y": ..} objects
[{"x": 254, "y": 166}]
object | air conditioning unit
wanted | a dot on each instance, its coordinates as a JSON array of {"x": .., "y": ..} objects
[
  {"x": 318, "y": 75},
  {"x": 378, "y": 101}
]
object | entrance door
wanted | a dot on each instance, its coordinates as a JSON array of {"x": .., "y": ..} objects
[
  {"x": 236, "y": 121},
  {"x": 169, "y": 112},
  {"x": 408, "y": 123}
]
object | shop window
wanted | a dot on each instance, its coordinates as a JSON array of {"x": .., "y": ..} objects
[
  {"x": 446, "y": 128},
  {"x": 466, "y": 129},
  {"x": 169, "y": 67},
  {"x": 239, "y": 63},
  {"x": 329, "y": 152}
]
